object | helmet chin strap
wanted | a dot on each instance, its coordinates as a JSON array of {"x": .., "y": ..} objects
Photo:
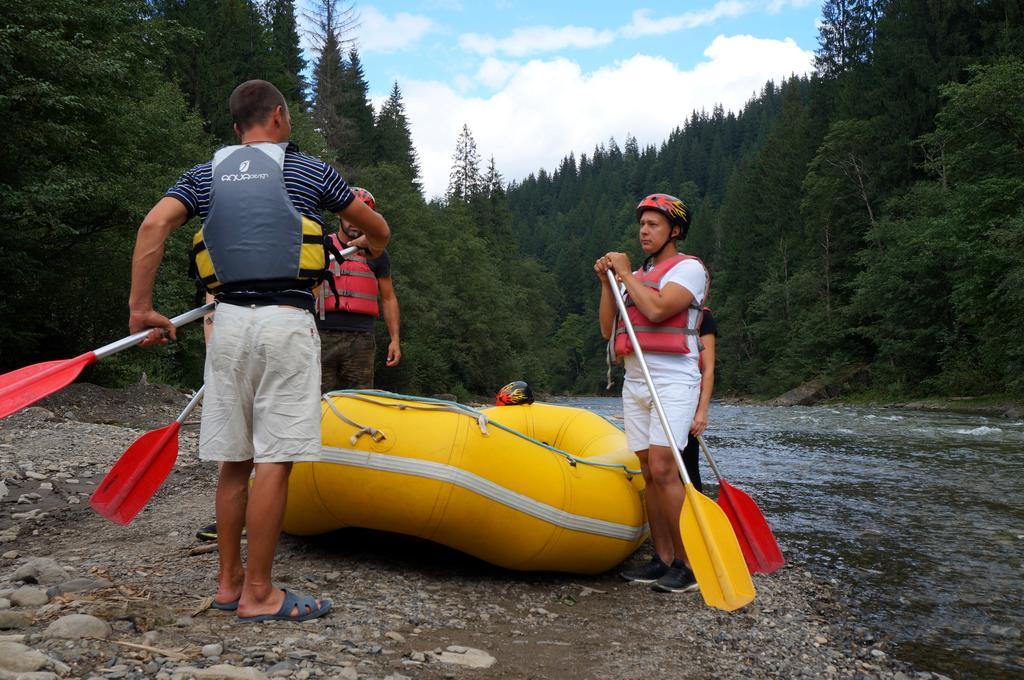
[{"x": 658, "y": 251}]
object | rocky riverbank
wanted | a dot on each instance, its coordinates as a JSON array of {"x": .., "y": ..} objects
[{"x": 82, "y": 597}]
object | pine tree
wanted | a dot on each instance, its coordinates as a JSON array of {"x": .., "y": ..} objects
[
  {"x": 465, "y": 180},
  {"x": 286, "y": 50},
  {"x": 393, "y": 138},
  {"x": 330, "y": 27},
  {"x": 846, "y": 35},
  {"x": 232, "y": 45},
  {"x": 355, "y": 107}
]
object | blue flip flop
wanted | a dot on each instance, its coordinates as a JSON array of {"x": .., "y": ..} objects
[
  {"x": 225, "y": 606},
  {"x": 293, "y": 601}
]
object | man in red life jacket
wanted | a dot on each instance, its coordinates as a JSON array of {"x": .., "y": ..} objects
[
  {"x": 665, "y": 297},
  {"x": 345, "y": 323}
]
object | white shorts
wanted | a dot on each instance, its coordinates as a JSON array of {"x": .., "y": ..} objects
[
  {"x": 643, "y": 427},
  {"x": 262, "y": 376}
]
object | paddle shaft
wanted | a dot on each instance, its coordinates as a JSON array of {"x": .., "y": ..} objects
[
  {"x": 709, "y": 539},
  {"x": 140, "y": 470},
  {"x": 745, "y": 528},
  {"x": 136, "y": 338},
  {"x": 647, "y": 376},
  {"x": 344, "y": 252},
  {"x": 707, "y": 454}
]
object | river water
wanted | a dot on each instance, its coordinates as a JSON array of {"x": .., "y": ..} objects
[{"x": 921, "y": 512}]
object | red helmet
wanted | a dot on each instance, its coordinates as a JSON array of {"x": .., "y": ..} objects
[
  {"x": 364, "y": 196},
  {"x": 671, "y": 207},
  {"x": 514, "y": 394}
]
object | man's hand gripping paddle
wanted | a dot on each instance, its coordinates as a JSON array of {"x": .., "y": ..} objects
[
  {"x": 140, "y": 471},
  {"x": 711, "y": 545},
  {"x": 760, "y": 549},
  {"x": 27, "y": 385}
]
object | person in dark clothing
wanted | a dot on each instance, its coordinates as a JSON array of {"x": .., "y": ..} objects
[{"x": 691, "y": 454}]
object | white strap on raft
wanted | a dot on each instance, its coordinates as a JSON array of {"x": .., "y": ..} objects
[{"x": 374, "y": 433}]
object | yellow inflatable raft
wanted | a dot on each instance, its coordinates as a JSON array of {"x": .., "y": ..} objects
[{"x": 536, "y": 487}]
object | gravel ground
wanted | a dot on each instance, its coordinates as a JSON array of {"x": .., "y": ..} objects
[{"x": 402, "y": 607}]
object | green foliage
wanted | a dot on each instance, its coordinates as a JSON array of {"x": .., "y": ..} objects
[
  {"x": 95, "y": 136},
  {"x": 870, "y": 214},
  {"x": 229, "y": 42}
]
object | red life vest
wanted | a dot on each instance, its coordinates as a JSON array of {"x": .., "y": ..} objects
[
  {"x": 669, "y": 336},
  {"x": 356, "y": 284}
]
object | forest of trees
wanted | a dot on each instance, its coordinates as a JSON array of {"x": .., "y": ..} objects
[{"x": 870, "y": 214}]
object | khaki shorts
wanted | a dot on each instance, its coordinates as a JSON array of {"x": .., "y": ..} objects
[
  {"x": 643, "y": 426},
  {"x": 262, "y": 375}
]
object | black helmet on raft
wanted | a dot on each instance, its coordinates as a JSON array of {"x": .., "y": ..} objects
[{"x": 514, "y": 394}]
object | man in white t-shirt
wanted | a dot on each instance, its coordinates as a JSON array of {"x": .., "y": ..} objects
[{"x": 665, "y": 297}]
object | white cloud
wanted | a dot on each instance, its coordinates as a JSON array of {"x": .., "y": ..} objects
[
  {"x": 379, "y": 32},
  {"x": 539, "y": 39},
  {"x": 776, "y": 6},
  {"x": 643, "y": 24},
  {"x": 535, "y": 39},
  {"x": 447, "y": 5},
  {"x": 548, "y": 108},
  {"x": 494, "y": 73}
]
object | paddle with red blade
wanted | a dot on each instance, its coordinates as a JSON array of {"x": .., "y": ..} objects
[
  {"x": 140, "y": 471},
  {"x": 760, "y": 549},
  {"x": 25, "y": 386}
]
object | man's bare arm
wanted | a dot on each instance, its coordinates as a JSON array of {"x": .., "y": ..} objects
[{"x": 166, "y": 216}]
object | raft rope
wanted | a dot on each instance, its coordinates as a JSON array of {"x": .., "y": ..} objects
[{"x": 452, "y": 407}]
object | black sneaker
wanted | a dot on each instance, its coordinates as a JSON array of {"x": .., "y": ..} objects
[
  {"x": 678, "y": 579},
  {"x": 209, "y": 532},
  {"x": 648, "y": 573}
]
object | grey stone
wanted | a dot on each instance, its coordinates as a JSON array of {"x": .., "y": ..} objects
[
  {"x": 346, "y": 674},
  {"x": 11, "y": 620},
  {"x": 20, "y": 658},
  {"x": 42, "y": 570},
  {"x": 31, "y": 514},
  {"x": 75, "y": 626},
  {"x": 282, "y": 669},
  {"x": 219, "y": 672},
  {"x": 465, "y": 656},
  {"x": 27, "y": 596},
  {"x": 215, "y": 649},
  {"x": 78, "y": 585},
  {"x": 394, "y": 635},
  {"x": 11, "y": 555}
]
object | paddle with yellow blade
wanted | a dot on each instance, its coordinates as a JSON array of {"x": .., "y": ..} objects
[{"x": 711, "y": 545}]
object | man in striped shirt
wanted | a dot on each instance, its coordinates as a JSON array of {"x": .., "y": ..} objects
[{"x": 262, "y": 404}]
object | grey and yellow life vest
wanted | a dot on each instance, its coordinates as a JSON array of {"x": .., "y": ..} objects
[{"x": 253, "y": 238}]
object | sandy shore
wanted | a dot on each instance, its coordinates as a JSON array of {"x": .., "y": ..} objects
[{"x": 402, "y": 607}]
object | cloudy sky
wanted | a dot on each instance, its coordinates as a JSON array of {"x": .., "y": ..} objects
[{"x": 536, "y": 79}]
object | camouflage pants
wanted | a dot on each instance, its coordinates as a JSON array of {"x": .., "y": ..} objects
[{"x": 346, "y": 360}]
